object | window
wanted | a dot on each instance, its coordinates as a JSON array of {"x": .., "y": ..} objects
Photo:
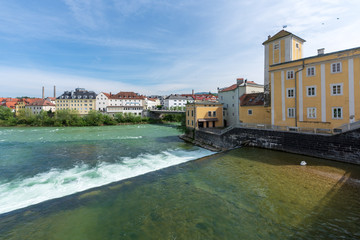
[
  {"x": 336, "y": 67},
  {"x": 214, "y": 114},
  {"x": 192, "y": 113},
  {"x": 291, "y": 112},
  {"x": 192, "y": 122},
  {"x": 232, "y": 97},
  {"x": 310, "y": 71},
  {"x": 290, "y": 92},
  {"x": 290, "y": 74},
  {"x": 336, "y": 89},
  {"x": 297, "y": 45},
  {"x": 188, "y": 122},
  {"x": 311, "y": 112},
  {"x": 209, "y": 113},
  {"x": 188, "y": 112},
  {"x": 311, "y": 91},
  {"x": 250, "y": 112},
  {"x": 337, "y": 112},
  {"x": 276, "y": 46}
]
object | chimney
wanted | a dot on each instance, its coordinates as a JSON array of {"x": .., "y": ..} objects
[
  {"x": 321, "y": 51},
  {"x": 54, "y": 91},
  {"x": 239, "y": 81},
  {"x": 110, "y": 93},
  {"x": 269, "y": 37},
  {"x": 192, "y": 92},
  {"x": 43, "y": 93}
]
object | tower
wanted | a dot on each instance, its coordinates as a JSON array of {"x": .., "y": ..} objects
[{"x": 282, "y": 47}]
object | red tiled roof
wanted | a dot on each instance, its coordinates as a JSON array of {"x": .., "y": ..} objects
[
  {"x": 41, "y": 102},
  {"x": 10, "y": 99},
  {"x": 10, "y": 104},
  {"x": 252, "y": 99},
  {"x": 232, "y": 87},
  {"x": 124, "y": 95}
]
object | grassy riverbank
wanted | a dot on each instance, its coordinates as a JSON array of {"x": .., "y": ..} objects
[{"x": 64, "y": 118}]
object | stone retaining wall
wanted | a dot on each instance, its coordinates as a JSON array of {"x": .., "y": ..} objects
[{"x": 343, "y": 147}]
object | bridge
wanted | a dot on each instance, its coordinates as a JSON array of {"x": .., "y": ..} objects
[{"x": 159, "y": 113}]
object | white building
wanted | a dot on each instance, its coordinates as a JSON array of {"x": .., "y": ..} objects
[
  {"x": 151, "y": 103},
  {"x": 176, "y": 101},
  {"x": 122, "y": 102},
  {"x": 41, "y": 105},
  {"x": 229, "y": 97}
]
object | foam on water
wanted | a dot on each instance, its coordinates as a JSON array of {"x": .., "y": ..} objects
[{"x": 59, "y": 182}]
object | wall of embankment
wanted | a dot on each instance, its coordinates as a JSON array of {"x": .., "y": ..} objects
[{"x": 344, "y": 147}]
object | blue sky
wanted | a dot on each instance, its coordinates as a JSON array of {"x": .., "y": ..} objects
[{"x": 156, "y": 47}]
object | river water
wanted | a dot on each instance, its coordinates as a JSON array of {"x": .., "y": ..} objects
[{"x": 64, "y": 183}]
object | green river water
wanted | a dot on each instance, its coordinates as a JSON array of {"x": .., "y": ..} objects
[{"x": 105, "y": 183}]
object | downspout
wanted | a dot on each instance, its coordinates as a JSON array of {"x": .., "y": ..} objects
[{"x": 303, "y": 66}]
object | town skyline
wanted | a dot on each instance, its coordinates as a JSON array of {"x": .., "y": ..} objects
[{"x": 156, "y": 47}]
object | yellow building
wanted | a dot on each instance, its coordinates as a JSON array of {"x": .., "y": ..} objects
[
  {"x": 316, "y": 92},
  {"x": 204, "y": 115},
  {"x": 80, "y": 100},
  {"x": 252, "y": 109},
  {"x": 20, "y": 105}
]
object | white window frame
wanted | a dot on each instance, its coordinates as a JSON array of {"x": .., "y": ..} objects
[
  {"x": 336, "y": 70},
  {"x": 307, "y": 72},
  {"x": 287, "y": 74},
  {"x": 307, "y": 91},
  {"x": 337, "y": 117},
  {"x": 288, "y": 91},
  {"x": 341, "y": 89},
  {"x": 288, "y": 112},
  {"x": 311, "y": 112},
  {"x": 250, "y": 111}
]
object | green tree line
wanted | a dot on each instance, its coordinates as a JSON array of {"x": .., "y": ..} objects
[{"x": 72, "y": 118}]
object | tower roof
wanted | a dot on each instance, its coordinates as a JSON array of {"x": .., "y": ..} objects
[{"x": 281, "y": 34}]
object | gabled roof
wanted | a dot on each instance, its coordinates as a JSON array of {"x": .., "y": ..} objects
[
  {"x": 281, "y": 34},
  {"x": 252, "y": 99},
  {"x": 41, "y": 102},
  {"x": 232, "y": 87},
  {"x": 123, "y": 95}
]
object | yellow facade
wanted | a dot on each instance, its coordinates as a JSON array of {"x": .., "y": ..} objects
[
  {"x": 325, "y": 91},
  {"x": 19, "y": 106},
  {"x": 255, "y": 114},
  {"x": 204, "y": 115},
  {"x": 83, "y": 106}
]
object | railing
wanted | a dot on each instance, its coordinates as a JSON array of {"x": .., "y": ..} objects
[
  {"x": 347, "y": 127},
  {"x": 324, "y": 131}
]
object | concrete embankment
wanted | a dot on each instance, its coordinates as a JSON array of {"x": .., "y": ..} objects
[{"x": 344, "y": 147}]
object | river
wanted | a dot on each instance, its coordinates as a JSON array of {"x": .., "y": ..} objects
[{"x": 102, "y": 183}]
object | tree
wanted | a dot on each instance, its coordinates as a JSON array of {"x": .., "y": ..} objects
[{"x": 5, "y": 113}]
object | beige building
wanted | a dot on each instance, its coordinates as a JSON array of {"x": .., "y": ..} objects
[
  {"x": 80, "y": 100},
  {"x": 204, "y": 115}
]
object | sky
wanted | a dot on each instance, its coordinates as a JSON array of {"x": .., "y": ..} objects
[{"x": 156, "y": 46}]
